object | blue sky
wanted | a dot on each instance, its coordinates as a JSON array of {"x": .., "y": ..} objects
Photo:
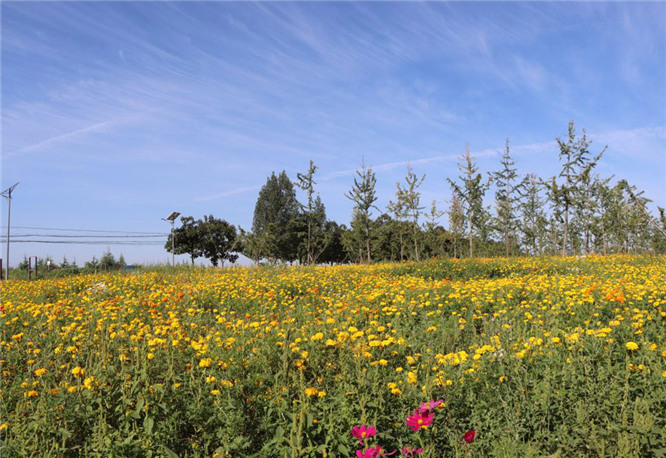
[{"x": 114, "y": 114}]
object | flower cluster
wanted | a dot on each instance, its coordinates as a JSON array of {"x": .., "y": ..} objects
[{"x": 421, "y": 418}]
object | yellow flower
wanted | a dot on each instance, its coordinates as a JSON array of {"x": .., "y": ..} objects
[
  {"x": 321, "y": 394},
  {"x": 632, "y": 346},
  {"x": 411, "y": 378},
  {"x": 40, "y": 372},
  {"x": 311, "y": 391},
  {"x": 88, "y": 382},
  {"x": 78, "y": 372},
  {"x": 214, "y": 392},
  {"x": 205, "y": 362}
]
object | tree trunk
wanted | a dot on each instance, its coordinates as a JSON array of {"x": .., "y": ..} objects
[
  {"x": 471, "y": 243},
  {"x": 566, "y": 229}
]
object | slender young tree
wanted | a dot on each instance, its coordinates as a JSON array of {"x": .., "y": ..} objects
[
  {"x": 533, "y": 222},
  {"x": 576, "y": 164},
  {"x": 407, "y": 204},
  {"x": 456, "y": 214},
  {"x": 471, "y": 192},
  {"x": 506, "y": 195},
  {"x": 364, "y": 197},
  {"x": 306, "y": 183}
]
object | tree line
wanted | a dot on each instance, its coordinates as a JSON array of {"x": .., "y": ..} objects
[{"x": 575, "y": 212}]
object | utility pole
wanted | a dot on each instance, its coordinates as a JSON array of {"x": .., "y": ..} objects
[
  {"x": 7, "y": 194},
  {"x": 171, "y": 219}
]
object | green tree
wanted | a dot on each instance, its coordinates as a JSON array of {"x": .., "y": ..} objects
[
  {"x": 456, "y": 216},
  {"x": 218, "y": 240},
  {"x": 306, "y": 182},
  {"x": 107, "y": 261},
  {"x": 576, "y": 165},
  {"x": 506, "y": 196},
  {"x": 407, "y": 204},
  {"x": 471, "y": 192},
  {"x": 187, "y": 239},
  {"x": 364, "y": 197},
  {"x": 533, "y": 224},
  {"x": 275, "y": 215}
]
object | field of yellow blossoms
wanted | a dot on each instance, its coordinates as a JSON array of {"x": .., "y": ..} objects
[{"x": 531, "y": 357}]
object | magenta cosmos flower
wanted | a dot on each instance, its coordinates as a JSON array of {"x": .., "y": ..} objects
[
  {"x": 427, "y": 407},
  {"x": 469, "y": 436},
  {"x": 410, "y": 452},
  {"x": 372, "y": 452},
  {"x": 419, "y": 420},
  {"x": 363, "y": 432}
]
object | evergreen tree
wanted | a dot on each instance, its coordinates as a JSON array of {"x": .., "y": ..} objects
[
  {"x": 107, "y": 261},
  {"x": 275, "y": 215}
]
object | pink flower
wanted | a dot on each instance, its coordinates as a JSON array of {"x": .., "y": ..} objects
[
  {"x": 410, "y": 452},
  {"x": 469, "y": 436},
  {"x": 427, "y": 407},
  {"x": 372, "y": 452},
  {"x": 419, "y": 420},
  {"x": 363, "y": 432}
]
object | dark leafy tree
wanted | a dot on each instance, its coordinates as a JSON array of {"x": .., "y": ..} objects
[
  {"x": 218, "y": 240},
  {"x": 187, "y": 239}
]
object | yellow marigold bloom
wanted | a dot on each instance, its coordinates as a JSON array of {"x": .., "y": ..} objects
[
  {"x": 205, "y": 362},
  {"x": 632, "y": 346},
  {"x": 4, "y": 426},
  {"x": 321, "y": 394},
  {"x": 88, "y": 382},
  {"x": 40, "y": 372},
  {"x": 214, "y": 392},
  {"x": 411, "y": 378},
  {"x": 317, "y": 336},
  {"x": 30, "y": 394},
  {"x": 78, "y": 372},
  {"x": 311, "y": 391},
  {"x": 150, "y": 356}
]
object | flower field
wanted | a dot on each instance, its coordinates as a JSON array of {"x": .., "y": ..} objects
[{"x": 532, "y": 357}]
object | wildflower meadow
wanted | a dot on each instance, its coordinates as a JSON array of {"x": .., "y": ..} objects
[{"x": 442, "y": 358}]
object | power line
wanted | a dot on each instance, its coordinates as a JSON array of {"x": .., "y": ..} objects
[
  {"x": 82, "y": 230},
  {"x": 88, "y": 236},
  {"x": 92, "y": 242}
]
